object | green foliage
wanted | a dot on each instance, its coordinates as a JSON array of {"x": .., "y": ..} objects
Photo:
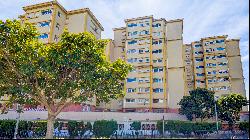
[
  {"x": 104, "y": 128},
  {"x": 54, "y": 74},
  {"x": 136, "y": 125},
  {"x": 229, "y": 107},
  {"x": 244, "y": 126},
  {"x": 199, "y": 104},
  {"x": 32, "y": 72},
  {"x": 186, "y": 127}
]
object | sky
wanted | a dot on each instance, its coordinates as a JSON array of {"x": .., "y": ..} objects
[{"x": 202, "y": 18}]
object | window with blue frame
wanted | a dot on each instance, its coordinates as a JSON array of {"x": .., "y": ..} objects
[
  {"x": 157, "y": 69},
  {"x": 200, "y": 74},
  {"x": 199, "y": 67},
  {"x": 43, "y": 36},
  {"x": 132, "y": 25},
  {"x": 157, "y": 90},
  {"x": 220, "y": 49},
  {"x": 220, "y": 41},
  {"x": 130, "y": 90},
  {"x": 46, "y": 12},
  {"x": 158, "y": 80},
  {"x": 221, "y": 56},
  {"x": 157, "y": 51},
  {"x": 199, "y": 59},
  {"x": 132, "y": 42},
  {"x": 156, "y": 25},
  {"x": 129, "y": 80},
  {"x": 43, "y": 24},
  {"x": 197, "y": 46}
]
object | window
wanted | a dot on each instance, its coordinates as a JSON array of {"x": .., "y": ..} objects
[
  {"x": 132, "y": 25},
  {"x": 43, "y": 24},
  {"x": 147, "y": 89},
  {"x": 147, "y": 60},
  {"x": 129, "y": 80},
  {"x": 157, "y": 60},
  {"x": 157, "y": 51},
  {"x": 157, "y": 42},
  {"x": 221, "y": 56},
  {"x": 211, "y": 72},
  {"x": 130, "y": 100},
  {"x": 157, "y": 80},
  {"x": 46, "y": 12},
  {"x": 156, "y": 25},
  {"x": 223, "y": 71},
  {"x": 220, "y": 41},
  {"x": 199, "y": 81},
  {"x": 57, "y": 26},
  {"x": 56, "y": 38},
  {"x": 58, "y": 14},
  {"x": 220, "y": 49},
  {"x": 157, "y": 69},
  {"x": 199, "y": 67},
  {"x": 130, "y": 90},
  {"x": 43, "y": 36},
  {"x": 132, "y": 60},
  {"x": 197, "y": 53},
  {"x": 198, "y": 59},
  {"x": 200, "y": 74},
  {"x": 222, "y": 64},
  {"x": 131, "y": 51},
  {"x": 211, "y": 65},
  {"x": 132, "y": 42},
  {"x": 157, "y": 90},
  {"x": 209, "y": 50},
  {"x": 197, "y": 46},
  {"x": 144, "y": 32}
]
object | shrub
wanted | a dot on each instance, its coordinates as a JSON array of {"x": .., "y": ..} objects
[
  {"x": 186, "y": 127},
  {"x": 104, "y": 128},
  {"x": 244, "y": 126}
]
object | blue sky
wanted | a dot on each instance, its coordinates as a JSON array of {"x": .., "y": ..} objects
[{"x": 202, "y": 18}]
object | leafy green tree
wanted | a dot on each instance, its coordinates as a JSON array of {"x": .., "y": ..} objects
[
  {"x": 229, "y": 108},
  {"x": 54, "y": 74},
  {"x": 199, "y": 104}
]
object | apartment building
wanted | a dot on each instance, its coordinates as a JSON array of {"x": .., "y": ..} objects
[
  {"x": 214, "y": 63},
  {"x": 154, "y": 48},
  {"x": 51, "y": 18}
]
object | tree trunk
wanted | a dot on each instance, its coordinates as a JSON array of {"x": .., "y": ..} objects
[{"x": 50, "y": 126}]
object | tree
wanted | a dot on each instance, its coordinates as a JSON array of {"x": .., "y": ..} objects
[
  {"x": 229, "y": 108},
  {"x": 54, "y": 74},
  {"x": 136, "y": 125},
  {"x": 199, "y": 104}
]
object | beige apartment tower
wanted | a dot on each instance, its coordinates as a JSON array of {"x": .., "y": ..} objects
[
  {"x": 50, "y": 18},
  {"x": 154, "y": 48},
  {"x": 214, "y": 63}
]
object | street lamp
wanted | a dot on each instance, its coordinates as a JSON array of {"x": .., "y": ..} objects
[
  {"x": 163, "y": 126},
  {"x": 216, "y": 116}
]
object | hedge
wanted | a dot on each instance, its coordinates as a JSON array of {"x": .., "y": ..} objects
[
  {"x": 186, "y": 127},
  {"x": 104, "y": 128},
  {"x": 38, "y": 128},
  {"x": 244, "y": 126}
]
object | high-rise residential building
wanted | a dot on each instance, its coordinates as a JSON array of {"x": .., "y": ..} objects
[
  {"x": 154, "y": 48},
  {"x": 214, "y": 63},
  {"x": 51, "y": 18}
]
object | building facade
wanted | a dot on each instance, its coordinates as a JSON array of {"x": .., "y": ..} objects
[
  {"x": 154, "y": 48},
  {"x": 214, "y": 63},
  {"x": 51, "y": 18}
]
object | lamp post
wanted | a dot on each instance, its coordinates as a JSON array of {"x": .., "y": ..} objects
[
  {"x": 163, "y": 126},
  {"x": 216, "y": 116}
]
